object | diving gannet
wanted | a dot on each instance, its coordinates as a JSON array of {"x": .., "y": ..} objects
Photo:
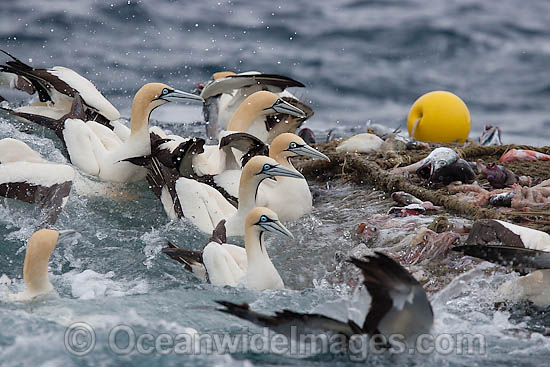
[
  {"x": 204, "y": 205},
  {"x": 399, "y": 306},
  {"x": 223, "y": 264},
  {"x": 520, "y": 248},
  {"x": 227, "y": 90},
  {"x": 297, "y": 196},
  {"x": 98, "y": 151},
  {"x": 56, "y": 88},
  {"x": 26, "y": 176},
  {"x": 35, "y": 269}
]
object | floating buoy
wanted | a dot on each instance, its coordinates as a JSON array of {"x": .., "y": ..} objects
[{"x": 439, "y": 117}]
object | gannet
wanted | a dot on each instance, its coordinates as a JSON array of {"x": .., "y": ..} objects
[
  {"x": 520, "y": 248},
  {"x": 252, "y": 116},
  {"x": 297, "y": 196},
  {"x": 227, "y": 90},
  {"x": 98, "y": 151},
  {"x": 26, "y": 176},
  {"x": 56, "y": 88},
  {"x": 224, "y": 264},
  {"x": 35, "y": 269},
  {"x": 399, "y": 306},
  {"x": 204, "y": 205}
]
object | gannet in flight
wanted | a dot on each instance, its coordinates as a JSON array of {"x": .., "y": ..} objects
[{"x": 225, "y": 264}]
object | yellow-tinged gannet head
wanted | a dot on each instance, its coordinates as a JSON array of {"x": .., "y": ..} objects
[
  {"x": 262, "y": 219},
  {"x": 291, "y": 145},
  {"x": 260, "y": 103},
  {"x": 265, "y": 167},
  {"x": 222, "y": 74},
  {"x": 153, "y": 95}
]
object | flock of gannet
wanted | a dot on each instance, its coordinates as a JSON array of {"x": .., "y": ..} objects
[{"x": 235, "y": 182}]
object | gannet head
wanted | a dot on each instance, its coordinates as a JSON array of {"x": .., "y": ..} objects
[
  {"x": 264, "y": 167},
  {"x": 260, "y": 103},
  {"x": 153, "y": 95},
  {"x": 288, "y": 145},
  {"x": 222, "y": 74},
  {"x": 262, "y": 219},
  {"x": 35, "y": 270}
]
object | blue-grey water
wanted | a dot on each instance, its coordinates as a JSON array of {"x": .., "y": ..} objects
[{"x": 360, "y": 60}]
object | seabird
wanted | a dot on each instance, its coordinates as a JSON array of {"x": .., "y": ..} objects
[
  {"x": 224, "y": 264},
  {"x": 297, "y": 196},
  {"x": 522, "y": 249},
  {"x": 227, "y": 90},
  {"x": 266, "y": 115},
  {"x": 399, "y": 306},
  {"x": 204, "y": 205},
  {"x": 35, "y": 269},
  {"x": 26, "y": 176},
  {"x": 56, "y": 88},
  {"x": 97, "y": 150}
]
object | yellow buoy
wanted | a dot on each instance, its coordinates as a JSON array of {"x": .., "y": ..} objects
[{"x": 439, "y": 117}]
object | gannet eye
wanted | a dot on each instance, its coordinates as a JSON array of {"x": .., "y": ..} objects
[
  {"x": 266, "y": 167},
  {"x": 278, "y": 102},
  {"x": 165, "y": 91},
  {"x": 263, "y": 219},
  {"x": 292, "y": 145}
]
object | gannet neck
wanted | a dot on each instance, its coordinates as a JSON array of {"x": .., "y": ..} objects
[
  {"x": 250, "y": 109},
  {"x": 145, "y": 101},
  {"x": 283, "y": 158},
  {"x": 248, "y": 187},
  {"x": 254, "y": 245},
  {"x": 35, "y": 270}
]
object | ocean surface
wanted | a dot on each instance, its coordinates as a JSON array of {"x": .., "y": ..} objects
[{"x": 361, "y": 61}]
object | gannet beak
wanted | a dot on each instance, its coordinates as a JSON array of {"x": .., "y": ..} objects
[
  {"x": 279, "y": 170},
  {"x": 180, "y": 96},
  {"x": 66, "y": 234},
  {"x": 276, "y": 227},
  {"x": 281, "y": 106},
  {"x": 308, "y": 151}
]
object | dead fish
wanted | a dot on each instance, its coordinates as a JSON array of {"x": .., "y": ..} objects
[
  {"x": 443, "y": 165},
  {"x": 514, "y": 155},
  {"x": 426, "y": 245},
  {"x": 503, "y": 199},
  {"x": 498, "y": 176},
  {"x": 367, "y": 231},
  {"x": 404, "y": 198},
  {"x": 406, "y": 211},
  {"x": 490, "y": 136}
]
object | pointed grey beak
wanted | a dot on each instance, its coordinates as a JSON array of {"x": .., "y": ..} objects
[
  {"x": 279, "y": 170},
  {"x": 276, "y": 227},
  {"x": 66, "y": 234},
  {"x": 308, "y": 151},
  {"x": 281, "y": 106},
  {"x": 181, "y": 96}
]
